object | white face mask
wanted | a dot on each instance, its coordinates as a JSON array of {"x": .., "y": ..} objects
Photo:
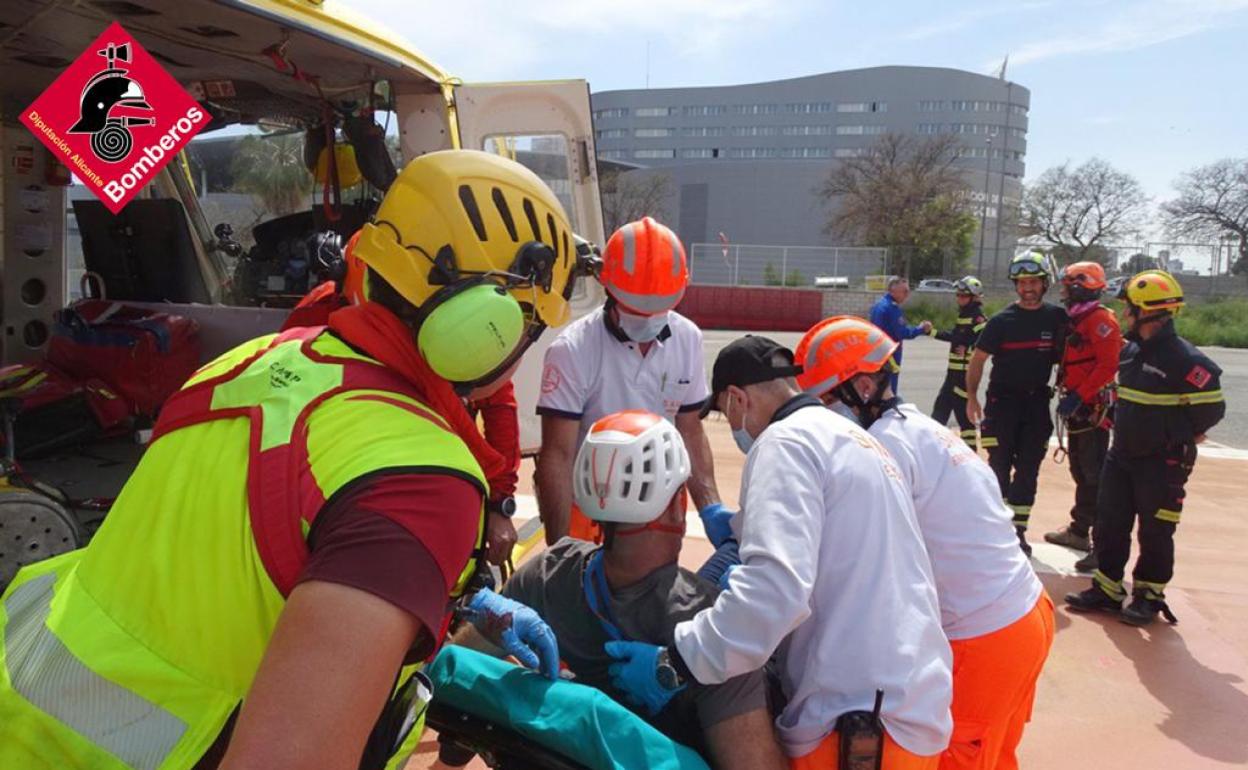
[
  {"x": 642, "y": 328},
  {"x": 740, "y": 435}
]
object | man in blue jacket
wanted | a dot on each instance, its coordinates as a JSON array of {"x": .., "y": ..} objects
[{"x": 887, "y": 314}]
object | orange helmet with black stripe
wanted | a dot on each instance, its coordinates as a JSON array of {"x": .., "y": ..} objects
[{"x": 644, "y": 267}]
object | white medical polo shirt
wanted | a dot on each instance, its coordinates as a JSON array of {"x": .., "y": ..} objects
[
  {"x": 590, "y": 371},
  {"x": 983, "y": 579}
]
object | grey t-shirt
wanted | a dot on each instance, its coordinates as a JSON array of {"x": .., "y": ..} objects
[{"x": 646, "y": 611}]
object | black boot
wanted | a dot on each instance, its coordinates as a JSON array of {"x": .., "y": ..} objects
[
  {"x": 1087, "y": 563},
  {"x": 1093, "y": 600},
  {"x": 1022, "y": 540},
  {"x": 1144, "y": 608}
]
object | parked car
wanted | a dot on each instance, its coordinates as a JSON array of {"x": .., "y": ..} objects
[
  {"x": 1111, "y": 288},
  {"x": 935, "y": 284}
]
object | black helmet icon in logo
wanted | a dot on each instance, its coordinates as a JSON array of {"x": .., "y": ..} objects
[{"x": 109, "y": 89}]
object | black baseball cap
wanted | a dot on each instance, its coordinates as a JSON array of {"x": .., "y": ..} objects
[{"x": 747, "y": 361}]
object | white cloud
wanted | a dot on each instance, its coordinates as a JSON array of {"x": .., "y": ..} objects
[
  {"x": 486, "y": 39},
  {"x": 1144, "y": 24},
  {"x": 957, "y": 22}
]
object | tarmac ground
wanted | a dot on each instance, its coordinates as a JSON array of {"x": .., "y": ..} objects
[{"x": 1112, "y": 697}]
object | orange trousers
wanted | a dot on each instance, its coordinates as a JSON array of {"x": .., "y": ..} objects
[
  {"x": 994, "y": 686},
  {"x": 827, "y": 757}
]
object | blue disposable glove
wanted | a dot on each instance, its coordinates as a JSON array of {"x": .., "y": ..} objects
[
  {"x": 723, "y": 579},
  {"x": 515, "y": 628},
  {"x": 636, "y": 674},
  {"x": 716, "y": 520},
  {"x": 1069, "y": 404}
]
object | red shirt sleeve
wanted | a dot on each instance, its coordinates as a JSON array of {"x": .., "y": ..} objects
[
  {"x": 404, "y": 538},
  {"x": 501, "y": 425},
  {"x": 1106, "y": 339}
]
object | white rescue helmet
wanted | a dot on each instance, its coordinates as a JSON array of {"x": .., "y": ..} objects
[{"x": 629, "y": 467}]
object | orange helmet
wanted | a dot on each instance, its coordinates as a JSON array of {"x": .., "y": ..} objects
[
  {"x": 838, "y": 348},
  {"x": 644, "y": 268},
  {"x": 1089, "y": 275}
]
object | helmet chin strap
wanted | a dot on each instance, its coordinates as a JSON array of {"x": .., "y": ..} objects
[
  {"x": 874, "y": 404},
  {"x": 654, "y": 526}
]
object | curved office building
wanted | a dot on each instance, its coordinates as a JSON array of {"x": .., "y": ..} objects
[{"x": 745, "y": 160}]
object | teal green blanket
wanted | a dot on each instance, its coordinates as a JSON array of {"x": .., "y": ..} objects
[{"x": 577, "y": 721}]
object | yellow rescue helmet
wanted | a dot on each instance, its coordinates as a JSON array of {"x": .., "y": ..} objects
[
  {"x": 458, "y": 214},
  {"x": 1153, "y": 291}
]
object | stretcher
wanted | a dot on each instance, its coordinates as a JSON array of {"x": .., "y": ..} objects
[{"x": 517, "y": 720}]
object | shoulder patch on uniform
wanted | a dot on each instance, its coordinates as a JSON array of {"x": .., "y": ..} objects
[
  {"x": 552, "y": 378},
  {"x": 1103, "y": 330},
  {"x": 1199, "y": 376}
]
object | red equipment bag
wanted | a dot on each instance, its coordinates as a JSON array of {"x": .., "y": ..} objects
[
  {"x": 52, "y": 411},
  {"x": 143, "y": 354}
]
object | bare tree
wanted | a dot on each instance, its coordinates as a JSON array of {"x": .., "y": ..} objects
[
  {"x": 906, "y": 194},
  {"x": 1077, "y": 210},
  {"x": 628, "y": 196},
  {"x": 1212, "y": 202}
]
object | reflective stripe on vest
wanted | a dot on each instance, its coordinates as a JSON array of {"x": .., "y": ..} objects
[
  {"x": 1169, "y": 399},
  {"x": 42, "y": 670}
]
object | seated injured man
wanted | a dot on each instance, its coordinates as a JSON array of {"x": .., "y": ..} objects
[{"x": 630, "y": 476}]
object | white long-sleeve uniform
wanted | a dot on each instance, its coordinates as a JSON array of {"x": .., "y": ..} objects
[
  {"x": 833, "y": 566},
  {"x": 983, "y": 580}
]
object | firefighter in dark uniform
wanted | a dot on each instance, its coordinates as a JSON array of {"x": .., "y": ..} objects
[
  {"x": 961, "y": 339},
  {"x": 1025, "y": 341},
  {"x": 1089, "y": 365},
  {"x": 1169, "y": 396}
]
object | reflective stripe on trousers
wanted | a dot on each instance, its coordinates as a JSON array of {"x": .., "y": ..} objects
[{"x": 46, "y": 673}]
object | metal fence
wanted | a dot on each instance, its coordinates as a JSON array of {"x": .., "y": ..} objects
[
  {"x": 758, "y": 265},
  {"x": 1204, "y": 269}
]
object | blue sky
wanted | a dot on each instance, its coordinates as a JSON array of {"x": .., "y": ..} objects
[{"x": 1153, "y": 86}]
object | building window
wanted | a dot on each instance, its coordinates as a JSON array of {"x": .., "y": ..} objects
[
  {"x": 614, "y": 112},
  {"x": 806, "y": 130},
  {"x": 702, "y": 131},
  {"x": 755, "y": 109},
  {"x": 1018, "y": 133},
  {"x": 753, "y": 152},
  {"x": 652, "y": 112},
  {"x": 851, "y": 106},
  {"x": 612, "y": 133},
  {"x": 703, "y": 110},
  {"x": 613, "y": 154},
  {"x": 849, "y": 152},
  {"x": 1018, "y": 109},
  {"x": 933, "y": 105},
  {"x": 982, "y": 129},
  {"x": 651, "y": 133},
  {"x": 849, "y": 130},
  {"x": 654, "y": 153},
  {"x": 928, "y": 128},
  {"x": 808, "y": 108},
  {"x": 698, "y": 152},
  {"x": 805, "y": 152},
  {"x": 754, "y": 130}
]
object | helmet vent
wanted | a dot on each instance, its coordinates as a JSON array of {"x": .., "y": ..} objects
[
  {"x": 531, "y": 215},
  {"x": 474, "y": 213},
  {"x": 504, "y": 211},
  {"x": 645, "y": 491},
  {"x": 554, "y": 236}
]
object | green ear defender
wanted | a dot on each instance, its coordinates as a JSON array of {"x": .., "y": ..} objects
[{"x": 471, "y": 332}]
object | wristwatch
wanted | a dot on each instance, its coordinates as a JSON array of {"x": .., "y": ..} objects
[
  {"x": 669, "y": 678},
  {"x": 503, "y": 506}
]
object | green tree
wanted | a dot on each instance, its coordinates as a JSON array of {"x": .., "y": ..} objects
[
  {"x": 271, "y": 169},
  {"x": 906, "y": 194},
  {"x": 771, "y": 275}
]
